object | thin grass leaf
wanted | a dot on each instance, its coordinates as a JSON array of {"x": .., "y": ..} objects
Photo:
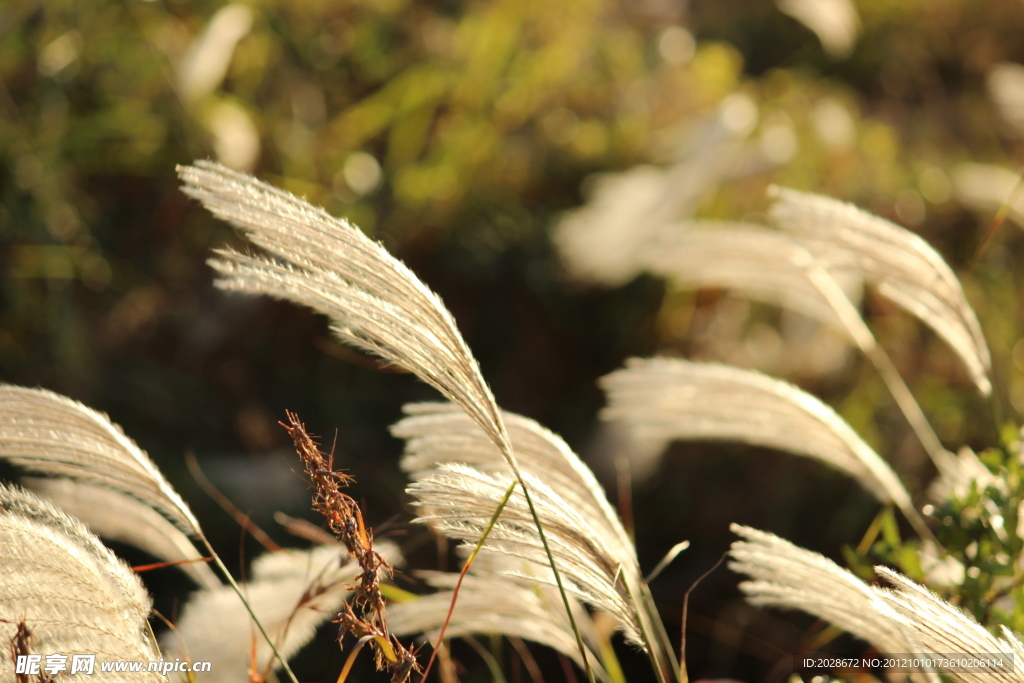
[
  {"x": 122, "y": 518},
  {"x": 662, "y": 399},
  {"x": 72, "y": 593},
  {"x": 903, "y": 267},
  {"x": 46, "y": 433}
]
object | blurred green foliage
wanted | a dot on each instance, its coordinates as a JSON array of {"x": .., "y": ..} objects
[{"x": 457, "y": 132}]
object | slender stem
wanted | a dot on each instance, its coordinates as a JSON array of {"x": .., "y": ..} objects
[
  {"x": 558, "y": 579},
  {"x": 686, "y": 612},
  {"x": 944, "y": 461},
  {"x": 508, "y": 452},
  {"x": 656, "y": 623},
  {"x": 462, "y": 575},
  {"x": 496, "y": 673},
  {"x": 655, "y": 663},
  {"x": 855, "y": 327},
  {"x": 248, "y": 608}
]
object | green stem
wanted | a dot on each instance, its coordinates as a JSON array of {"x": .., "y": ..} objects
[
  {"x": 462, "y": 575},
  {"x": 558, "y": 578},
  {"x": 248, "y": 608},
  {"x": 642, "y": 622}
]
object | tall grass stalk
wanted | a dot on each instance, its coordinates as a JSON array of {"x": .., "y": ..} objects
[{"x": 241, "y": 596}]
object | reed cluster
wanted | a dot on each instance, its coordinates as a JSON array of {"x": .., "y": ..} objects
[{"x": 546, "y": 556}]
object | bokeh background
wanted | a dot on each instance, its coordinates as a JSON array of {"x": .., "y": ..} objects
[{"x": 466, "y": 136}]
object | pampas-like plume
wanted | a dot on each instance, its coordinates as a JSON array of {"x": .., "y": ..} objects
[
  {"x": 292, "y": 592},
  {"x": 490, "y": 602},
  {"x": 987, "y": 188},
  {"x": 437, "y": 436},
  {"x": 72, "y": 593},
  {"x": 937, "y": 627},
  {"x": 903, "y": 267},
  {"x": 1006, "y": 88},
  {"x": 459, "y": 501},
  {"x": 437, "y": 433},
  {"x": 835, "y": 22},
  {"x": 51, "y": 434},
  {"x": 905, "y": 619},
  {"x": 786, "y": 576},
  {"x": 373, "y": 300},
  {"x": 753, "y": 261},
  {"x": 119, "y": 517},
  {"x": 666, "y": 398}
]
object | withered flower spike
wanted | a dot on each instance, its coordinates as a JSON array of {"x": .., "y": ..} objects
[
  {"x": 342, "y": 513},
  {"x": 20, "y": 647}
]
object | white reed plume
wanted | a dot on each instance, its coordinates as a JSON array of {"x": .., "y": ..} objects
[
  {"x": 906, "y": 619},
  {"x": 374, "y": 301},
  {"x": 459, "y": 501},
  {"x": 1006, "y": 88},
  {"x": 437, "y": 433},
  {"x": 967, "y": 470},
  {"x": 72, "y": 593},
  {"x": 53, "y": 435},
  {"x": 903, "y": 267},
  {"x": 835, "y": 22},
  {"x": 987, "y": 187},
  {"x": 755, "y": 262},
  {"x": 604, "y": 241},
  {"x": 787, "y": 576},
  {"x": 438, "y": 436},
  {"x": 119, "y": 517},
  {"x": 662, "y": 399},
  {"x": 493, "y": 603},
  {"x": 937, "y": 627},
  {"x": 291, "y": 592}
]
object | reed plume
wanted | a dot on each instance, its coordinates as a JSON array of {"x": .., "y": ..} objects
[
  {"x": 903, "y": 267},
  {"x": 754, "y": 262},
  {"x": 905, "y": 618},
  {"x": 491, "y": 602},
  {"x": 662, "y": 399},
  {"x": 119, "y": 517},
  {"x": 458, "y": 480},
  {"x": 50, "y": 434},
  {"x": 67, "y": 588}
]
